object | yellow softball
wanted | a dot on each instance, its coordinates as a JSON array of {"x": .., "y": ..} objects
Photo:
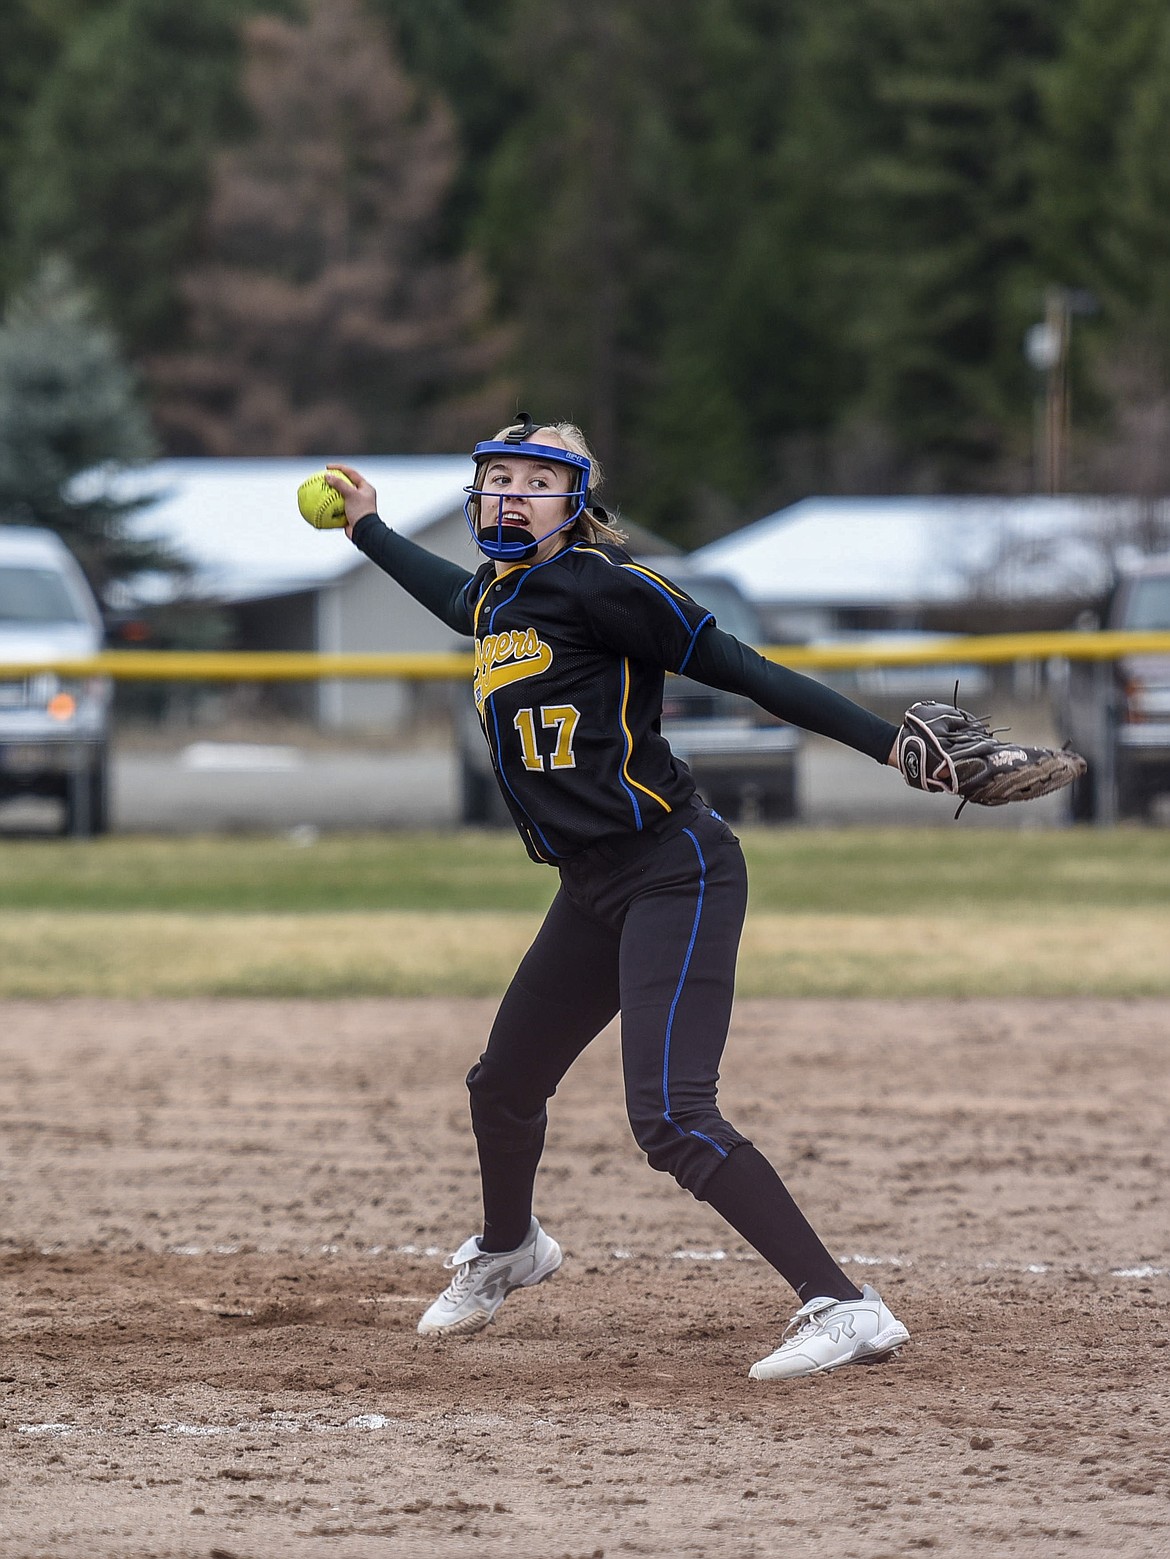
[{"x": 319, "y": 503}]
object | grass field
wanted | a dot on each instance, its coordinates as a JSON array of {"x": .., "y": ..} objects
[{"x": 834, "y": 912}]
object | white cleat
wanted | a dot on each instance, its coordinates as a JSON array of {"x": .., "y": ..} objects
[
  {"x": 483, "y": 1280},
  {"x": 826, "y": 1333}
]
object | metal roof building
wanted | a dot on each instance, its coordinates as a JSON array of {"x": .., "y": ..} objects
[
  {"x": 236, "y": 521},
  {"x": 826, "y": 564},
  {"x": 287, "y": 586}
]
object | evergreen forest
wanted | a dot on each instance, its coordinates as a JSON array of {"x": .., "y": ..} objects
[{"x": 756, "y": 248}]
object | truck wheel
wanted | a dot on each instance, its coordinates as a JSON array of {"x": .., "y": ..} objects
[
  {"x": 728, "y": 804},
  {"x": 480, "y": 802},
  {"x": 1133, "y": 794},
  {"x": 87, "y": 800},
  {"x": 473, "y": 797},
  {"x": 1082, "y": 799},
  {"x": 774, "y": 802},
  {"x": 778, "y": 802},
  {"x": 99, "y": 796}
]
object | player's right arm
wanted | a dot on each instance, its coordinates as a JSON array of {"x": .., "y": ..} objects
[{"x": 435, "y": 583}]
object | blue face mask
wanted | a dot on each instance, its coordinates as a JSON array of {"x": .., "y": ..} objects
[{"x": 512, "y": 543}]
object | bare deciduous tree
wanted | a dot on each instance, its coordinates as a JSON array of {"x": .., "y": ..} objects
[{"x": 323, "y": 315}]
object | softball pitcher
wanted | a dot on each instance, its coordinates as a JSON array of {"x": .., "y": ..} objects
[{"x": 572, "y": 640}]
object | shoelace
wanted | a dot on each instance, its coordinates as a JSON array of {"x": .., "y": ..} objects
[
  {"x": 462, "y": 1281},
  {"x": 808, "y": 1319}
]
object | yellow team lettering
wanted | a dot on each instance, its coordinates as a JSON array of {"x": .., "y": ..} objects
[{"x": 511, "y": 656}]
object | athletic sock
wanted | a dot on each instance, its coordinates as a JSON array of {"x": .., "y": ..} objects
[
  {"x": 750, "y": 1195},
  {"x": 507, "y": 1180}
]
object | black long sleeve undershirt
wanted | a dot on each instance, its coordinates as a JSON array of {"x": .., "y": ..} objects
[
  {"x": 433, "y": 582},
  {"x": 722, "y": 661},
  {"x": 718, "y": 659}
]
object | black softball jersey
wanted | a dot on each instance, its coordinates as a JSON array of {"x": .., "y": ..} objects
[{"x": 570, "y": 657}]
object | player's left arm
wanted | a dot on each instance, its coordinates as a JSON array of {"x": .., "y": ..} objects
[
  {"x": 723, "y": 661},
  {"x": 938, "y": 747}
]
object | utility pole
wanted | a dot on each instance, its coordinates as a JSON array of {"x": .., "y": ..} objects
[
  {"x": 1046, "y": 346},
  {"x": 1056, "y": 407}
]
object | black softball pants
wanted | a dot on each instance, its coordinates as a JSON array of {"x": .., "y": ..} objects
[{"x": 650, "y": 926}]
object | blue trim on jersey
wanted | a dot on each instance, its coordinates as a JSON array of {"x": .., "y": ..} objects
[
  {"x": 590, "y": 550},
  {"x": 500, "y": 771},
  {"x": 627, "y": 744},
  {"x": 710, "y": 618},
  {"x": 531, "y": 569},
  {"x": 666, "y": 1115},
  {"x": 526, "y": 574},
  {"x": 665, "y": 594}
]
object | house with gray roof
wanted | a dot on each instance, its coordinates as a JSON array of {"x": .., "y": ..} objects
[{"x": 829, "y": 566}]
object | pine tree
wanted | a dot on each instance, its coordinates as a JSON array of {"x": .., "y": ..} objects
[
  {"x": 733, "y": 242},
  {"x": 68, "y": 408},
  {"x": 113, "y": 168},
  {"x": 753, "y": 363},
  {"x": 27, "y": 46},
  {"x": 1102, "y": 224},
  {"x": 455, "y": 48},
  {"x": 564, "y": 222},
  {"x": 1107, "y": 60},
  {"x": 322, "y": 319},
  {"x": 942, "y": 244},
  {"x": 601, "y": 203},
  {"x": 1139, "y": 242}
]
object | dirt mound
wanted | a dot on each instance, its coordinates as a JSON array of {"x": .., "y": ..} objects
[{"x": 220, "y": 1221}]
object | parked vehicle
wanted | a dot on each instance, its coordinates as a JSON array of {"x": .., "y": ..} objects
[
  {"x": 744, "y": 761},
  {"x": 1117, "y": 713},
  {"x": 53, "y": 730}
]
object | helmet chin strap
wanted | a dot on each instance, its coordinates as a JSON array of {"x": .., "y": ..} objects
[
  {"x": 507, "y": 543},
  {"x": 514, "y": 543}
]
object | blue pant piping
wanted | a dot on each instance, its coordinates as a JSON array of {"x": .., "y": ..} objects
[{"x": 666, "y": 1115}]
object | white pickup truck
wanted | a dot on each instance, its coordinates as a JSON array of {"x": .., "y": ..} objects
[
  {"x": 1117, "y": 713},
  {"x": 53, "y": 730}
]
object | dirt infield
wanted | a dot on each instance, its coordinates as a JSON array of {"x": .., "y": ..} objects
[{"x": 219, "y": 1221}]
